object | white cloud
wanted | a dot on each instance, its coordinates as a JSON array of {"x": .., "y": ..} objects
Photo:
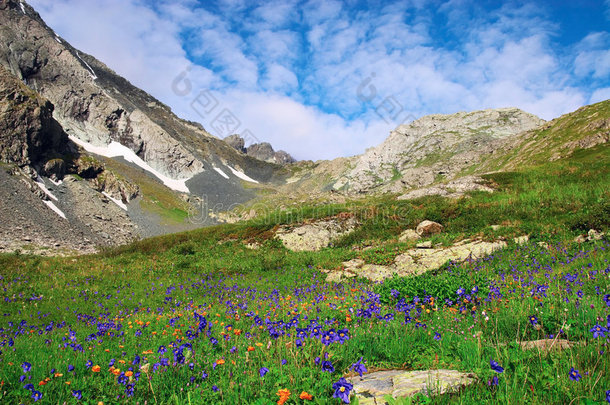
[
  {"x": 593, "y": 56},
  {"x": 278, "y": 78},
  {"x": 600, "y": 95},
  {"x": 304, "y": 131}
]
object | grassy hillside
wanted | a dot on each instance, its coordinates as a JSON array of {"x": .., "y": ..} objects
[{"x": 199, "y": 317}]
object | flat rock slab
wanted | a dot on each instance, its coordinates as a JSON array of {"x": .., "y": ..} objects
[
  {"x": 315, "y": 235},
  {"x": 545, "y": 345},
  {"x": 372, "y": 387}
]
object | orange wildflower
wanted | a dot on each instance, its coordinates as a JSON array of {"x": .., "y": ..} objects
[
  {"x": 250, "y": 349},
  {"x": 116, "y": 371},
  {"x": 284, "y": 394},
  {"x": 128, "y": 373},
  {"x": 220, "y": 361},
  {"x": 96, "y": 369},
  {"x": 306, "y": 396}
]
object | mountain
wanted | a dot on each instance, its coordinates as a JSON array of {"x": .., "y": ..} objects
[
  {"x": 446, "y": 154},
  {"x": 169, "y": 167}
]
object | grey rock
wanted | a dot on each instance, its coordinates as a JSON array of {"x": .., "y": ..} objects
[
  {"x": 55, "y": 169},
  {"x": 419, "y": 260},
  {"x": 28, "y": 131},
  {"x": 424, "y": 245},
  {"x": 453, "y": 189},
  {"x": 261, "y": 151},
  {"x": 594, "y": 235},
  {"x": 372, "y": 387},
  {"x": 408, "y": 234},
  {"x": 236, "y": 142},
  {"x": 316, "y": 234}
]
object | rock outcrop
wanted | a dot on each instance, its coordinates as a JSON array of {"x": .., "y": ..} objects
[
  {"x": 371, "y": 388},
  {"x": 419, "y": 260},
  {"x": 433, "y": 147},
  {"x": 28, "y": 133},
  {"x": 315, "y": 235},
  {"x": 261, "y": 151}
]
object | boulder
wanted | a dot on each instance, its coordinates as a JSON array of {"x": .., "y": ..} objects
[
  {"x": 315, "y": 235},
  {"x": 55, "y": 169},
  {"x": 426, "y": 228}
]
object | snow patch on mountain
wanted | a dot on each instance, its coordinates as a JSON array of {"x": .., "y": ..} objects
[
  {"x": 115, "y": 149},
  {"x": 55, "y": 209},
  {"x": 223, "y": 174},
  {"x": 116, "y": 201},
  {"x": 242, "y": 175}
]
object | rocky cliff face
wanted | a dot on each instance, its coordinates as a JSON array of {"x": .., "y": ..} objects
[
  {"x": 98, "y": 107},
  {"x": 56, "y": 213},
  {"x": 64, "y": 114},
  {"x": 432, "y": 148},
  {"x": 28, "y": 132}
]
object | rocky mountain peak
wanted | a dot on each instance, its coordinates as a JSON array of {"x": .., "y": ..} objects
[
  {"x": 261, "y": 151},
  {"x": 416, "y": 154}
]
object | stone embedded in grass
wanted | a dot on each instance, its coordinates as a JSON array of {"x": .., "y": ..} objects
[
  {"x": 408, "y": 235},
  {"x": 372, "y": 387},
  {"x": 546, "y": 345},
  {"x": 315, "y": 235},
  {"x": 521, "y": 240},
  {"x": 424, "y": 245},
  {"x": 416, "y": 261}
]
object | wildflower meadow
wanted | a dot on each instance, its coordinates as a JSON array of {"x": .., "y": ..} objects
[{"x": 146, "y": 331}]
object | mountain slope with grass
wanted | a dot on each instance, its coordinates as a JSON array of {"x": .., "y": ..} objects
[{"x": 217, "y": 307}]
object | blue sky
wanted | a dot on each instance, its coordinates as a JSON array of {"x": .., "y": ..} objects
[{"x": 323, "y": 79}]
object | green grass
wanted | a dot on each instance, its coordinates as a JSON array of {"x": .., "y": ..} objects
[{"x": 154, "y": 287}]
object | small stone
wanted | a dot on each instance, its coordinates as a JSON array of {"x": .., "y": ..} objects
[
  {"x": 594, "y": 235},
  {"x": 521, "y": 240},
  {"x": 424, "y": 245}
]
